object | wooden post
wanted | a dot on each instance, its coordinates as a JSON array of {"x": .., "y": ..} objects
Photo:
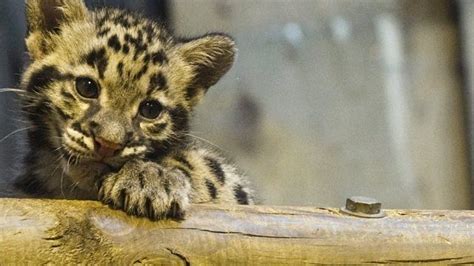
[{"x": 60, "y": 231}]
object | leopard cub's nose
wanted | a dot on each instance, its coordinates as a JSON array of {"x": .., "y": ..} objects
[{"x": 106, "y": 148}]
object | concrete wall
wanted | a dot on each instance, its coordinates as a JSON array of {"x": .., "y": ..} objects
[
  {"x": 467, "y": 37},
  {"x": 330, "y": 99}
]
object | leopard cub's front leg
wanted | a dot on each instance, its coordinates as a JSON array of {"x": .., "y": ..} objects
[{"x": 147, "y": 189}]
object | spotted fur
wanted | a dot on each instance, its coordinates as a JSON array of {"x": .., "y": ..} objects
[{"x": 103, "y": 146}]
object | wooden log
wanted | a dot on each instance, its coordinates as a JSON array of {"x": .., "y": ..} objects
[{"x": 61, "y": 231}]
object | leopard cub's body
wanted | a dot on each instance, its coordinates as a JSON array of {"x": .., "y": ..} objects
[{"x": 109, "y": 96}]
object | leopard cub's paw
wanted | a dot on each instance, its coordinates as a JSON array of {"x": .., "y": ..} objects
[{"x": 146, "y": 189}]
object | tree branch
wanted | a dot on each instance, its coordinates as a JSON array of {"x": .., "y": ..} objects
[{"x": 61, "y": 231}]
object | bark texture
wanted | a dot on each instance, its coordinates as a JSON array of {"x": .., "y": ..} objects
[{"x": 60, "y": 231}]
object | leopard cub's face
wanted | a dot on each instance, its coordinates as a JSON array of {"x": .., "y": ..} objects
[
  {"x": 107, "y": 86},
  {"x": 120, "y": 94}
]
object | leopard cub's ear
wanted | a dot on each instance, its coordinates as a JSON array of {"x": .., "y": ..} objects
[
  {"x": 210, "y": 57},
  {"x": 45, "y": 17}
]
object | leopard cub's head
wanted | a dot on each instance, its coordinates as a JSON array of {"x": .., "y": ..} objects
[{"x": 106, "y": 85}]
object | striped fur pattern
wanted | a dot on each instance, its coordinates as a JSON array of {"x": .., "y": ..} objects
[{"x": 109, "y": 95}]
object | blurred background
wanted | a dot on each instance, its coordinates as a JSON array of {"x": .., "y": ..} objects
[{"x": 328, "y": 99}]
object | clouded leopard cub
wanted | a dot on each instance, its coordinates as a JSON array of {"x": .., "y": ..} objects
[{"x": 109, "y": 96}]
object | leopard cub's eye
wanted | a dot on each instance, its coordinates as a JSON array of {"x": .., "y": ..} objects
[
  {"x": 150, "y": 109},
  {"x": 87, "y": 88}
]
